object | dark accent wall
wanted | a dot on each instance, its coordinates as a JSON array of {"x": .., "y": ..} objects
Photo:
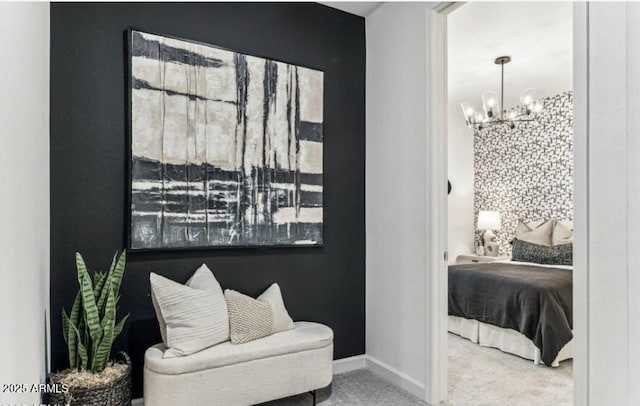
[{"x": 88, "y": 154}]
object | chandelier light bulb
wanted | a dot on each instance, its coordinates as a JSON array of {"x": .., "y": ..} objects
[
  {"x": 479, "y": 117},
  {"x": 490, "y": 103},
  {"x": 528, "y": 96},
  {"x": 469, "y": 111},
  {"x": 537, "y": 108}
]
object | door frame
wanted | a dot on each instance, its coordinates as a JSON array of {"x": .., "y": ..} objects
[{"x": 436, "y": 216}]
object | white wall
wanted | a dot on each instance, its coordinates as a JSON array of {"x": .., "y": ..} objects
[
  {"x": 396, "y": 191},
  {"x": 460, "y": 173},
  {"x": 24, "y": 174},
  {"x": 614, "y": 204},
  {"x": 633, "y": 211}
]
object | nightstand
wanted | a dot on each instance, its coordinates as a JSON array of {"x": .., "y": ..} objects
[{"x": 475, "y": 259}]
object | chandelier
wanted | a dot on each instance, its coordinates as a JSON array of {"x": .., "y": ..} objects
[{"x": 494, "y": 113}]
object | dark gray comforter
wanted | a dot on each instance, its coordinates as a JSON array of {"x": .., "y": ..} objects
[{"x": 535, "y": 301}]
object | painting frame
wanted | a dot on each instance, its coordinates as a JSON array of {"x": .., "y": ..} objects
[{"x": 129, "y": 116}]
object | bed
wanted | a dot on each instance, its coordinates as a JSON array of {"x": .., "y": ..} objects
[{"x": 522, "y": 308}]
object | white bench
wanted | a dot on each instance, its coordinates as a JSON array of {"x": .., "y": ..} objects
[{"x": 280, "y": 365}]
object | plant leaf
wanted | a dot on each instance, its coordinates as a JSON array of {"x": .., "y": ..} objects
[
  {"x": 84, "y": 332},
  {"x": 118, "y": 328},
  {"x": 114, "y": 278},
  {"x": 113, "y": 261},
  {"x": 98, "y": 282},
  {"x": 102, "y": 298},
  {"x": 82, "y": 351},
  {"x": 118, "y": 272},
  {"x": 91, "y": 314},
  {"x": 65, "y": 326},
  {"x": 102, "y": 295},
  {"x": 98, "y": 291},
  {"x": 101, "y": 356},
  {"x": 74, "y": 315},
  {"x": 72, "y": 338}
]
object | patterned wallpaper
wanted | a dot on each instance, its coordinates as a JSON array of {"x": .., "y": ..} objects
[{"x": 526, "y": 172}]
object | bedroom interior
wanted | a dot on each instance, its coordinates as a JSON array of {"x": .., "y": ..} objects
[
  {"x": 260, "y": 294},
  {"x": 510, "y": 146}
]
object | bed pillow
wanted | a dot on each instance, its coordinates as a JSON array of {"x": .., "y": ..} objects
[
  {"x": 523, "y": 251},
  {"x": 539, "y": 235},
  {"x": 562, "y": 234},
  {"x": 192, "y": 316}
]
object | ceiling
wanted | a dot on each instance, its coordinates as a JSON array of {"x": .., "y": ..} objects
[
  {"x": 537, "y": 37},
  {"x": 361, "y": 8}
]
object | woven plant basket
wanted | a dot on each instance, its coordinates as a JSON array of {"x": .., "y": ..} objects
[{"x": 118, "y": 393}]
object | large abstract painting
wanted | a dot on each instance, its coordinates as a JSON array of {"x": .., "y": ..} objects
[{"x": 226, "y": 148}]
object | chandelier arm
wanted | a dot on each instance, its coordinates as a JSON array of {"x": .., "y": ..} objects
[
  {"x": 485, "y": 125},
  {"x": 492, "y": 123}
]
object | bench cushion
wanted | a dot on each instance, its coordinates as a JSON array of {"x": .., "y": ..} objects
[{"x": 306, "y": 336}]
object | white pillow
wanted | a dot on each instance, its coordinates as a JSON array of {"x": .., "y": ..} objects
[
  {"x": 540, "y": 234},
  {"x": 281, "y": 319},
  {"x": 193, "y": 316},
  {"x": 562, "y": 234}
]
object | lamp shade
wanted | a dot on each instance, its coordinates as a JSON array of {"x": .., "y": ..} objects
[{"x": 488, "y": 220}]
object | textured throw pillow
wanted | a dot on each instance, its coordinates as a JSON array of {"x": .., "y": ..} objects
[
  {"x": 523, "y": 251},
  {"x": 193, "y": 316},
  {"x": 249, "y": 319},
  {"x": 281, "y": 319},
  {"x": 562, "y": 234},
  {"x": 540, "y": 234}
]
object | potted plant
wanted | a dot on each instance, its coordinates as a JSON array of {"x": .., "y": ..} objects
[{"x": 89, "y": 331}]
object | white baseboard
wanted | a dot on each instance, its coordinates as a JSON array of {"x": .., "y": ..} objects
[
  {"x": 137, "y": 402},
  {"x": 340, "y": 366},
  {"x": 398, "y": 378}
]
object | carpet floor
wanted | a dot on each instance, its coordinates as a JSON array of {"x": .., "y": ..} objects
[
  {"x": 483, "y": 376},
  {"x": 477, "y": 376},
  {"x": 359, "y": 387}
]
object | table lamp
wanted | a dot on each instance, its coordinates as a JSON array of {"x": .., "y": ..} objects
[{"x": 489, "y": 221}]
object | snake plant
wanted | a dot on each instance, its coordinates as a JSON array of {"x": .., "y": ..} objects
[{"x": 90, "y": 328}]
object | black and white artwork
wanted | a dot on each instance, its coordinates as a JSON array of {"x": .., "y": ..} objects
[
  {"x": 526, "y": 173},
  {"x": 226, "y": 148}
]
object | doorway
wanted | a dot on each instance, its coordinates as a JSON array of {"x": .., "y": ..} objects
[{"x": 437, "y": 279}]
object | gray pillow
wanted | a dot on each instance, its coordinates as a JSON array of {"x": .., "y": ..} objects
[{"x": 523, "y": 251}]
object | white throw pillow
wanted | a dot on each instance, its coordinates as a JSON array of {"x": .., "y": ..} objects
[
  {"x": 193, "y": 316},
  {"x": 562, "y": 234},
  {"x": 281, "y": 319},
  {"x": 540, "y": 234}
]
